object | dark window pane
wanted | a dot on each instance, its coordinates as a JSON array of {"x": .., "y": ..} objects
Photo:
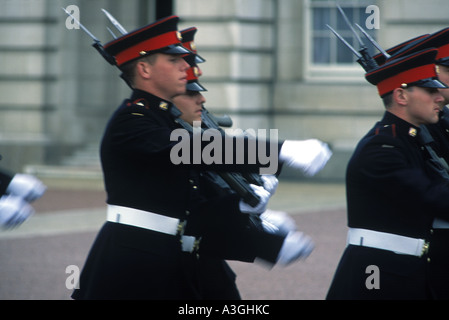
[
  {"x": 321, "y": 16},
  {"x": 321, "y": 50}
]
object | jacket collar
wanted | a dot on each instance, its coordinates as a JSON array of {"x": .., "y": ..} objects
[
  {"x": 400, "y": 126},
  {"x": 147, "y": 100}
]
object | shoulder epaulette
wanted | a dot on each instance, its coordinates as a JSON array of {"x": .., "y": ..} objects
[{"x": 388, "y": 129}]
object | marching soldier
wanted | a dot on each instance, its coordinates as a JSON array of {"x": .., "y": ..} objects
[
  {"x": 393, "y": 196},
  {"x": 217, "y": 280},
  {"x": 159, "y": 218},
  {"x": 437, "y": 143}
]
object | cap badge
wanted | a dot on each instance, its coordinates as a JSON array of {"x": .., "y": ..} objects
[
  {"x": 178, "y": 35},
  {"x": 163, "y": 105},
  {"x": 437, "y": 69},
  {"x": 412, "y": 132}
]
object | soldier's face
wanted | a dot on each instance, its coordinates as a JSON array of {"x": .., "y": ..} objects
[
  {"x": 168, "y": 75},
  {"x": 444, "y": 77},
  {"x": 424, "y": 105},
  {"x": 190, "y": 104}
]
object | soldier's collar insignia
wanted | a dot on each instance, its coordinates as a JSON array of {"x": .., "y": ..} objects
[
  {"x": 141, "y": 103},
  {"x": 163, "y": 105},
  {"x": 412, "y": 132}
]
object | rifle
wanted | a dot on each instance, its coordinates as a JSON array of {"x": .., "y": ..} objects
[
  {"x": 97, "y": 44},
  {"x": 238, "y": 182},
  {"x": 363, "y": 57},
  {"x": 436, "y": 163}
]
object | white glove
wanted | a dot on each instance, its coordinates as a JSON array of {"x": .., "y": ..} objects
[
  {"x": 308, "y": 155},
  {"x": 277, "y": 222},
  {"x": 13, "y": 211},
  {"x": 264, "y": 196},
  {"x": 26, "y": 186},
  {"x": 270, "y": 183},
  {"x": 296, "y": 246}
]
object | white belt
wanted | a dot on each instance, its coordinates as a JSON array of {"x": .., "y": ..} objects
[
  {"x": 387, "y": 241},
  {"x": 152, "y": 221}
]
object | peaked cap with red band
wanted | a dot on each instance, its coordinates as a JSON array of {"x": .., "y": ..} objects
[
  {"x": 417, "y": 69},
  {"x": 193, "y": 74},
  {"x": 188, "y": 36},
  {"x": 161, "y": 36},
  {"x": 439, "y": 40},
  {"x": 381, "y": 59}
]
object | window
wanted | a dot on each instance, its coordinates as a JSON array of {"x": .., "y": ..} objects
[{"x": 327, "y": 57}]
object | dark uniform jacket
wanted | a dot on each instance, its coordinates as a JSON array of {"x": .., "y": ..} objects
[
  {"x": 130, "y": 262},
  {"x": 440, "y": 247},
  {"x": 391, "y": 188}
]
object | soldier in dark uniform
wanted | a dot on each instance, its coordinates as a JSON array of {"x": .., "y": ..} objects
[
  {"x": 393, "y": 196},
  {"x": 438, "y": 144},
  {"x": 159, "y": 219},
  {"x": 217, "y": 280},
  {"x": 17, "y": 191}
]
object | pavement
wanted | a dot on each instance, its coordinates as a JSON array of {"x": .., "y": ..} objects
[{"x": 41, "y": 258}]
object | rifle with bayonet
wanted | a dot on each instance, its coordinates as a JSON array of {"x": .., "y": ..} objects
[
  {"x": 97, "y": 44},
  {"x": 211, "y": 122},
  {"x": 236, "y": 181},
  {"x": 363, "y": 57}
]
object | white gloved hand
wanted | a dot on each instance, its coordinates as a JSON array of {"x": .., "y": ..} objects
[
  {"x": 264, "y": 196},
  {"x": 270, "y": 183},
  {"x": 296, "y": 246},
  {"x": 26, "y": 186},
  {"x": 14, "y": 211},
  {"x": 308, "y": 155},
  {"x": 277, "y": 222}
]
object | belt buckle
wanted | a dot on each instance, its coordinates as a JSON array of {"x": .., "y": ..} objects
[
  {"x": 190, "y": 244},
  {"x": 196, "y": 244},
  {"x": 425, "y": 248},
  {"x": 181, "y": 227}
]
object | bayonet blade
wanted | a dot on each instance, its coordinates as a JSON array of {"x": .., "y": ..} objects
[
  {"x": 81, "y": 26},
  {"x": 350, "y": 25},
  {"x": 112, "y": 33},
  {"x": 374, "y": 42},
  {"x": 115, "y": 22},
  {"x": 358, "y": 55}
]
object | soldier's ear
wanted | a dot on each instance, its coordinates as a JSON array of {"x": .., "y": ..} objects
[
  {"x": 143, "y": 69},
  {"x": 401, "y": 96}
]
